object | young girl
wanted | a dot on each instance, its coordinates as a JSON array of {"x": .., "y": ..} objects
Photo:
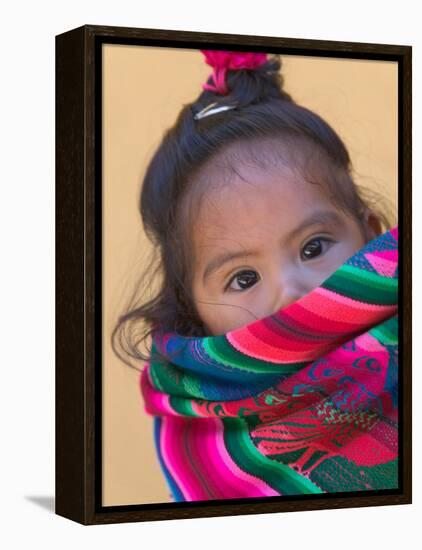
[{"x": 273, "y": 364}]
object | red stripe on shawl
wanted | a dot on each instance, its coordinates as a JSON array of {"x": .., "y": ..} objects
[
  {"x": 333, "y": 306},
  {"x": 366, "y": 450},
  {"x": 250, "y": 345},
  {"x": 272, "y": 342},
  {"x": 386, "y": 433}
]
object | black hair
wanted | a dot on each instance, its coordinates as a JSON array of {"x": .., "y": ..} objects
[{"x": 263, "y": 111}]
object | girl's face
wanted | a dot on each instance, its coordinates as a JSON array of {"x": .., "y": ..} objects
[{"x": 262, "y": 244}]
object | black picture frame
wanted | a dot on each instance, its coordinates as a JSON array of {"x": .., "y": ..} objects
[{"x": 78, "y": 272}]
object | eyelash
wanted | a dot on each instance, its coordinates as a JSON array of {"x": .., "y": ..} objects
[{"x": 239, "y": 273}]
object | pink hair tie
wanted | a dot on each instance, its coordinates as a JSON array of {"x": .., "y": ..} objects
[{"x": 221, "y": 61}]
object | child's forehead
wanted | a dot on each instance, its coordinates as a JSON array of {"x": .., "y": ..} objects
[
  {"x": 257, "y": 182},
  {"x": 265, "y": 199},
  {"x": 265, "y": 153},
  {"x": 249, "y": 160}
]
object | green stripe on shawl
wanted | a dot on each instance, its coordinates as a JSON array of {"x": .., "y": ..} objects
[
  {"x": 155, "y": 378},
  {"x": 169, "y": 379},
  {"x": 220, "y": 350},
  {"x": 386, "y": 333},
  {"x": 364, "y": 286},
  {"x": 182, "y": 406},
  {"x": 354, "y": 477},
  {"x": 279, "y": 476}
]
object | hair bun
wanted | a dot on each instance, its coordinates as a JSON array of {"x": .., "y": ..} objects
[
  {"x": 234, "y": 60},
  {"x": 244, "y": 78}
]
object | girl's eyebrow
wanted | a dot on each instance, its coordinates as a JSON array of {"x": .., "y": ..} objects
[
  {"x": 329, "y": 217},
  {"x": 223, "y": 258},
  {"x": 319, "y": 216}
]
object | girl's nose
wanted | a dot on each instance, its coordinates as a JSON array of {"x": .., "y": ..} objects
[{"x": 290, "y": 288}]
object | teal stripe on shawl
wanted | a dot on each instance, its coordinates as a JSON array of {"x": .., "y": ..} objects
[
  {"x": 368, "y": 287},
  {"x": 222, "y": 351}
]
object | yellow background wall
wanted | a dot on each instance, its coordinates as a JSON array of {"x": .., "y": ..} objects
[{"x": 143, "y": 90}]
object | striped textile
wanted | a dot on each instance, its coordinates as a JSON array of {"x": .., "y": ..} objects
[{"x": 301, "y": 402}]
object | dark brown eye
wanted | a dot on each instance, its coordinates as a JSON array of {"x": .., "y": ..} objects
[
  {"x": 315, "y": 248},
  {"x": 243, "y": 280}
]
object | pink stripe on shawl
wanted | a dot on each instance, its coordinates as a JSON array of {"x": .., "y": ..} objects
[
  {"x": 387, "y": 255},
  {"x": 200, "y": 441},
  {"x": 395, "y": 232},
  {"x": 156, "y": 402},
  {"x": 241, "y": 483},
  {"x": 367, "y": 342},
  {"x": 381, "y": 265},
  {"x": 210, "y": 460},
  {"x": 171, "y": 436}
]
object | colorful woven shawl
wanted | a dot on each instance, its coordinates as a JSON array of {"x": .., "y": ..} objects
[{"x": 301, "y": 402}]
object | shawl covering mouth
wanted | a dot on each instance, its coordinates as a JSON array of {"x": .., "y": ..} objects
[{"x": 301, "y": 402}]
